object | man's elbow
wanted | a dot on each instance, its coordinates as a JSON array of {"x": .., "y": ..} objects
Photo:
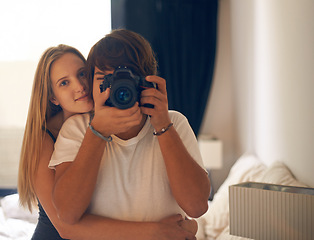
[
  {"x": 65, "y": 213},
  {"x": 197, "y": 210},
  {"x": 69, "y": 218},
  {"x": 64, "y": 232},
  {"x": 199, "y": 205}
]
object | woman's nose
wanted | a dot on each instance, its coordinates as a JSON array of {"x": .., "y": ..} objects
[
  {"x": 84, "y": 84},
  {"x": 79, "y": 86}
]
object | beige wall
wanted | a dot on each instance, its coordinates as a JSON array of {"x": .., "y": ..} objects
[
  {"x": 16, "y": 80},
  {"x": 262, "y": 99},
  {"x": 284, "y": 85}
]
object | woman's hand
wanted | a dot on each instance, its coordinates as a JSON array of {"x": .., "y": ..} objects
[
  {"x": 157, "y": 97},
  {"x": 189, "y": 225}
]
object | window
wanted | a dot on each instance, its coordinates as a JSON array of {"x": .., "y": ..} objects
[{"x": 27, "y": 28}]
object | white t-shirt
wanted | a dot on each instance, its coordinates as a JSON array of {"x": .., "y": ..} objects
[{"x": 132, "y": 182}]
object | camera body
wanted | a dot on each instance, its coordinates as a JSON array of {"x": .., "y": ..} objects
[{"x": 125, "y": 88}]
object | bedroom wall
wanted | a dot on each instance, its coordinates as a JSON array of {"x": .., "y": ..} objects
[
  {"x": 283, "y": 85},
  {"x": 262, "y": 100}
]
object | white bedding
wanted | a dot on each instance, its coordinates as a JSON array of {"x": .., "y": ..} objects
[{"x": 15, "y": 222}]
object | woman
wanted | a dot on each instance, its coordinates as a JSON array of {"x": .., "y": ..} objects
[
  {"x": 59, "y": 91},
  {"x": 145, "y": 164}
]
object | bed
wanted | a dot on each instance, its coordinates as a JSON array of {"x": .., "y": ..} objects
[{"x": 17, "y": 223}]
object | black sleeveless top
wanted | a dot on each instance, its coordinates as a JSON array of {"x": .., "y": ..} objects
[{"x": 45, "y": 229}]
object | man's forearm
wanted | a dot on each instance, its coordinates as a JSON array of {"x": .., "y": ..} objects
[{"x": 75, "y": 181}]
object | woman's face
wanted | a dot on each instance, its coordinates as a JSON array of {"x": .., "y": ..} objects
[{"x": 67, "y": 76}]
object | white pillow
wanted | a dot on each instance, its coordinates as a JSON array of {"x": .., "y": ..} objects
[
  {"x": 279, "y": 173},
  {"x": 12, "y": 209},
  {"x": 247, "y": 168}
]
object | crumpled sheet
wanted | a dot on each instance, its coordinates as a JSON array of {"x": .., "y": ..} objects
[{"x": 16, "y": 222}]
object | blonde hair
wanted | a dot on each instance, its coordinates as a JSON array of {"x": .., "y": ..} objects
[{"x": 39, "y": 112}]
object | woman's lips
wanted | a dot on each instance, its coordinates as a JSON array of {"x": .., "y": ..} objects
[{"x": 82, "y": 98}]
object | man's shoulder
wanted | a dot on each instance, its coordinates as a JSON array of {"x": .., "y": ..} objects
[
  {"x": 77, "y": 121},
  {"x": 175, "y": 115},
  {"x": 80, "y": 117}
]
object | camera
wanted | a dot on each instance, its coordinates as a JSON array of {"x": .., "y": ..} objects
[{"x": 125, "y": 88}]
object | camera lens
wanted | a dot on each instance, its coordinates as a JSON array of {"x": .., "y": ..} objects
[{"x": 123, "y": 93}]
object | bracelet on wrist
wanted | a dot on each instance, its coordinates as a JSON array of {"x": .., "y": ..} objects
[
  {"x": 163, "y": 130},
  {"x": 107, "y": 139}
]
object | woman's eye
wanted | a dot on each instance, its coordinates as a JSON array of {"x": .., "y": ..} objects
[
  {"x": 64, "y": 83},
  {"x": 82, "y": 74}
]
